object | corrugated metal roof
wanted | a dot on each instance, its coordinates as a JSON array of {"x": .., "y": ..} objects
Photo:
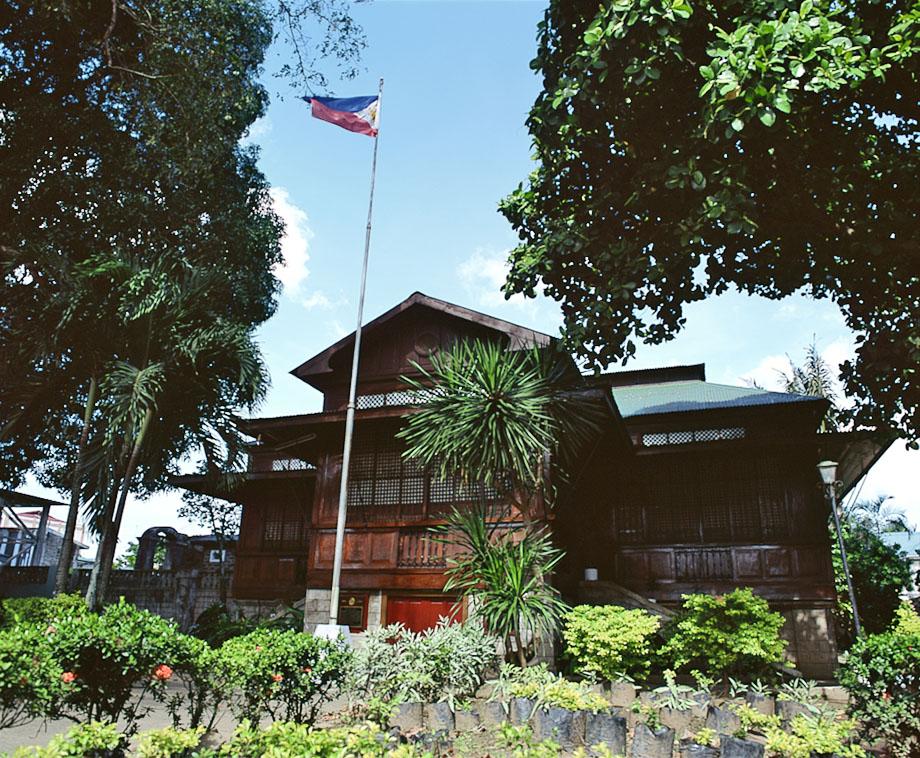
[
  {"x": 909, "y": 542},
  {"x": 679, "y": 397}
]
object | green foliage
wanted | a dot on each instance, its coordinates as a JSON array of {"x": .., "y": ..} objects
[
  {"x": 879, "y": 572},
  {"x": 91, "y": 740},
  {"x": 706, "y": 737},
  {"x": 491, "y": 415},
  {"x": 519, "y": 742},
  {"x": 729, "y": 634},
  {"x": 753, "y": 720},
  {"x": 215, "y": 625},
  {"x": 282, "y": 674},
  {"x": 448, "y": 662},
  {"x": 30, "y": 677},
  {"x": 40, "y": 610},
  {"x": 882, "y": 675},
  {"x": 169, "y": 742},
  {"x": 609, "y": 641},
  {"x": 290, "y": 739},
  {"x": 685, "y": 149},
  {"x": 808, "y": 736},
  {"x": 203, "y": 686},
  {"x": 906, "y": 619},
  {"x": 547, "y": 689},
  {"x": 672, "y": 695},
  {"x": 116, "y": 662},
  {"x": 506, "y": 575}
]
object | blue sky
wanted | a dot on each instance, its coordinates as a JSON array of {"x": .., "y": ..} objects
[{"x": 452, "y": 144}]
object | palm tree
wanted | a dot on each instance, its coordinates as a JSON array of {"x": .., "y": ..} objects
[
  {"x": 504, "y": 574},
  {"x": 814, "y": 377},
  {"x": 876, "y": 516},
  {"x": 507, "y": 419}
]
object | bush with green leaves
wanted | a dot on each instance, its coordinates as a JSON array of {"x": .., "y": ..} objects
[
  {"x": 809, "y": 736},
  {"x": 169, "y": 742},
  {"x": 282, "y": 674},
  {"x": 290, "y": 739},
  {"x": 30, "y": 678},
  {"x": 882, "y": 674},
  {"x": 203, "y": 686},
  {"x": 733, "y": 634},
  {"x": 116, "y": 662},
  {"x": 906, "y": 619},
  {"x": 93, "y": 739},
  {"x": 40, "y": 610},
  {"x": 608, "y": 641},
  {"x": 546, "y": 689},
  {"x": 448, "y": 662}
]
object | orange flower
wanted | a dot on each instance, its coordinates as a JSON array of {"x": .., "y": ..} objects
[
  {"x": 162, "y": 672},
  {"x": 277, "y": 677},
  {"x": 68, "y": 676}
]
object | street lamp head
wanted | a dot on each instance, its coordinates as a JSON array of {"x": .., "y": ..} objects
[{"x": 828, "y": 471}]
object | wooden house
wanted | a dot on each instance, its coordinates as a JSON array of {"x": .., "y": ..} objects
[{"x": 689, "y": 486}]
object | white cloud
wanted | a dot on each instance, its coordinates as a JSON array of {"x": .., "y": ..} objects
[
  {"x": 483, "y": 274},
  {"x": 261, "y": 127},
  {"x": 769, "y": 372},
  {"x": 317, "y": 300},
  {"x": 295, "y": 243}
]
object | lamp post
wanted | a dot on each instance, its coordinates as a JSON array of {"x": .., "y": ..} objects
[{"x": 828, "y": 471}]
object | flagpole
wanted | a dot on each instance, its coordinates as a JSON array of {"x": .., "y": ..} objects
[{"x": 352, "y": 392}]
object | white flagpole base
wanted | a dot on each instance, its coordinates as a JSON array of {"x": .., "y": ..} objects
[{"x": 333, "y": 632}]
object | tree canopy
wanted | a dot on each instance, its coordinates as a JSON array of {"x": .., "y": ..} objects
[{"x": 686, "y": 148}]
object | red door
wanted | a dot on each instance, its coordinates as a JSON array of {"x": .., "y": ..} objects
[{"x": 420, "y": 613}]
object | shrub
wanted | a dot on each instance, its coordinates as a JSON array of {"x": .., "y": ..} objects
[
  {"x": 169, "y": 742},
  {"x": 809, "y": 736},
  {"x": 30, "y": 680},
  {"x": 284, "y": 674},
  {"x": 727, "y": 634},
  {"x": 609, "y": 641},
  {"x": 906, "y": 619},
  {"x": 284, "y": 738},
  {"x": 547, "y": 689},
  {"x": 448, "y": 662},
  {"x": 92, "y": 740},
  {"x": 115, "y": 659},
  {"x": 204, "y": 686},
  {"x": 215, "y": 625},
  {"x": 882, "y": 674},
  {"x": 40, "y": 610}
]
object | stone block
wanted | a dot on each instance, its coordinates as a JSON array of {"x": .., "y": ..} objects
[
  {"x": 761, "y": 703},
  {"x": 789, "y": 709},
  {"x": 649, "y": 744},
  {"x": 560, "y": 725},
  {"x": 492, "y": 713},
  {"x": 521, "y": 710},
  {"x": 407, "y": 717},
  {"x": 439, "y": 717},
  {"x": 722, "y": 720},
  {"x": 621, "y": 694},
  {"x": 677, "y": 720},
  {"x": 836, "y": 695},
  {"x": 732, "y": 747},
  {"x": 702, "y": 702},
  {"x": 691, "y": 749},
  {"x": 467, "y": 719},
  {"x": 606, "y": 729}
]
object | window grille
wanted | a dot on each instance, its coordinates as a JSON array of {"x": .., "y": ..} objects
[
  {"x": 394, "y": 399},
  {"x": 689, "y": 436},
  {"x": 289, "y": 464}
]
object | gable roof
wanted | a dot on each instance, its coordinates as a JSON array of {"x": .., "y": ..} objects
[
  {"x": 519, "y": 336},
  {"x": 696, "y": 395}
]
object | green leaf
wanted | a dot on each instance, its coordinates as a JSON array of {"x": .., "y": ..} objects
[
  {"x": 737, "y": 124},
  {"x": 767, "y": 117}
]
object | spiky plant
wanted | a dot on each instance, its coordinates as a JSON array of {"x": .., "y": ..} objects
[{"x": 504, "y": 573}]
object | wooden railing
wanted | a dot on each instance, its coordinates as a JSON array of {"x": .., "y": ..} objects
[{"x": 418, "y": 548}]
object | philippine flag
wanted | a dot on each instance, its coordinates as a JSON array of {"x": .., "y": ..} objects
[{"x": 357, "y": 114}]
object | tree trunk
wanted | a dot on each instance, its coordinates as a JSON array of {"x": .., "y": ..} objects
[
  {"x": 92, "y": 594},
  {"x": 70, "y": 528},
  {"x": 106, "y": 555}
]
